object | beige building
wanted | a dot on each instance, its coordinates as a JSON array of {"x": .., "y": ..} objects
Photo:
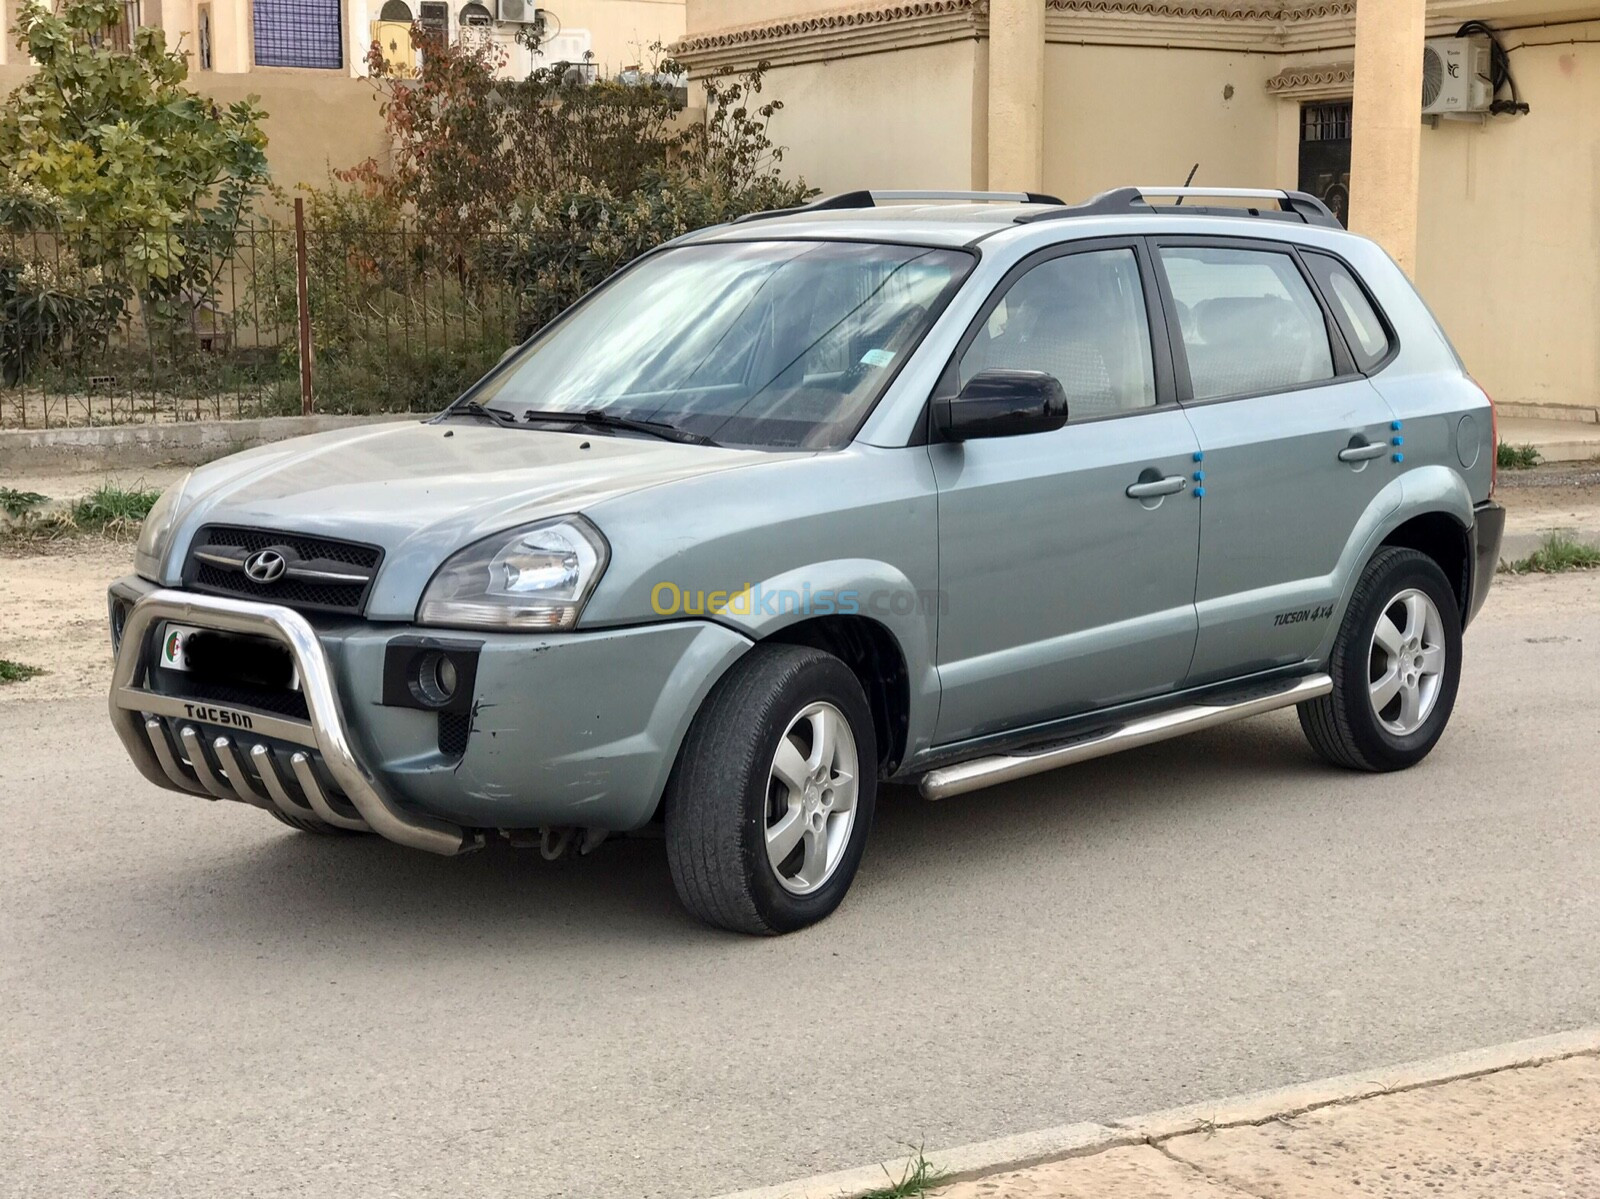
[
  {"x": 1496, "y": 214},
  {"x": 306, "y": 59}
]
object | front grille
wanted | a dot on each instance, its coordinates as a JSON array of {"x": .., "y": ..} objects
[{"x": 348, "y": 557}]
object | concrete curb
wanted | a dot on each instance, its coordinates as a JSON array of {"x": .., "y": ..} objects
[
  {"x": 1567, "y": 451},
  {"x": 1081, "y": 1140},
  {"x": 187, "y": 443},
  {"x": 1519, "y": 410},
  {"x": 1517, "y": 546}
]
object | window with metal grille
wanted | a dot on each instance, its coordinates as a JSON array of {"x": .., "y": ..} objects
[
  {"x": 298, "y": 33},
  {"x": 1325, "y": 122},
  {"x": 203, "y": 35},
  {"x": 120, "y": 35}
]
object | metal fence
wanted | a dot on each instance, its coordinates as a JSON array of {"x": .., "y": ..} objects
[{"x": 118, "y": 326}]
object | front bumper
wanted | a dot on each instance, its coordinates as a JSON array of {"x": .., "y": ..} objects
[
  {"x": 570, "y": 730},
  {"x": 1488, "y": 527}
]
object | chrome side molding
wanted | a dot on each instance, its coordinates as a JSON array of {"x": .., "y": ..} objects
[
  {"x": 954, "y": 780},
  {"x": 135, "y": 714}
]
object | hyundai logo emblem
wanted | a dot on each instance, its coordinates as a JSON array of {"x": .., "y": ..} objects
[{"x": 265, "y": 566}]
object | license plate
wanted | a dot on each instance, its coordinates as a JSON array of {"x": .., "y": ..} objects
[
  {"x": 172, "y": 641},
  {"x": 175, "y": 637}
]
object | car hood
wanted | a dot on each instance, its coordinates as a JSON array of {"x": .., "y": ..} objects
[{"x": 423, "y": 491}]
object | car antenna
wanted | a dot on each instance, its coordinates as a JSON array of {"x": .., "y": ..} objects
[{"x": 1188, "y": 181}]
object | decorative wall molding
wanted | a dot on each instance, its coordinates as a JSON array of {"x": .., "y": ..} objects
[
  {"x": 834, "y": 33},
  {"x": 1252, "y": 28},
  {"x": 1315, "y": 81},
  {"x": 1243, "y": 27}
]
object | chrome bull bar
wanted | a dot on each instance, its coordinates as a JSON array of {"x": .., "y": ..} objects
[{"x": 137, "y": 714}]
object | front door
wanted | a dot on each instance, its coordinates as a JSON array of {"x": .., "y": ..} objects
[
  {"x": 1296, "y": 446},
  {"x": 1062, "y": 591}
]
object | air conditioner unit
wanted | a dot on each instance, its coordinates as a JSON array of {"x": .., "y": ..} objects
[
  {"x": 1456, "y": 75},
  {"x": 520, "y": 12}
]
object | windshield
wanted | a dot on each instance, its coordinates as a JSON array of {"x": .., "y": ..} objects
[{"x": 779, "y": 344}]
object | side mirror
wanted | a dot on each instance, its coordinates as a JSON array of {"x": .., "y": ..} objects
[{"x": 1003, "y": 403}]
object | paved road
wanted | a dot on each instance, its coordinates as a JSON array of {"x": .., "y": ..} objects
[{"x": 194, "y": 1001}]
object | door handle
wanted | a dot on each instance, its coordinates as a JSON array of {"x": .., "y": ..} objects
[
  {"x": 1171, "y": 485},
  {"x": 1364, "y": 452}
]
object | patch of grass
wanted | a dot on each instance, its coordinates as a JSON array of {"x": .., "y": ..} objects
[
  {"x": 107, "y": 511},
  {"x": 919, "y": 1178},
  {"x": 1517, "y": 457},
  {"x": 17, "y": 504},
  {"x": 16, "y": 672},
  {"x": 111, "y": 509},
  {"x": 32, "y": 533},
  {"x": 1558, "y": 553}
]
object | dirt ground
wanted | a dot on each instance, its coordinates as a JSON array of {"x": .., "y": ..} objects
[
  {"x": 53, "y": 616},
  {"x": 1551, "y": 497}
]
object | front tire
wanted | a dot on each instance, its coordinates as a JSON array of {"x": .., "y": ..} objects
[
  {"x": 1396, "y": 664},
  {"x": 771, "y": 799}
]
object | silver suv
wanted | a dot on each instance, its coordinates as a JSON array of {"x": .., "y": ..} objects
[{"x": 906, "y": 487}]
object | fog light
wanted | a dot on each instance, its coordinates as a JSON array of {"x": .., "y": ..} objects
[
  {"x": 430, "y": 673},
  {"x": 119, "y": 621},
  {"x": 436, "y": 679}
]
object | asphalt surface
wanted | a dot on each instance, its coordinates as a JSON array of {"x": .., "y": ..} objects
[{"x": 196, "y": 1001}]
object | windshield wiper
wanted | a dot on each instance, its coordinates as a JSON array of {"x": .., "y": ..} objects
[
  {"x": 607, "y": 420},
  {"x": 472, "y": 408}
]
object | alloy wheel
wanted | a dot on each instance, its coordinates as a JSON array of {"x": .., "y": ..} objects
[
  {"x": 811, "y": 798},
  {"x": 1407, "y": 661}
]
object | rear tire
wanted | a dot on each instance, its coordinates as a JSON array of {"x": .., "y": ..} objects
[
  {"x": 770, "y": 802},
  {"x": 1396, "y": 664}
]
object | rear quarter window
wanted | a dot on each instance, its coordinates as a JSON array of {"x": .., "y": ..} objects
[{"x": 1363, "y": 328}]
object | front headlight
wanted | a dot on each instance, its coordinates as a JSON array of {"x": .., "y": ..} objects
[
  {"x": 155, "y": 536},
  {"x": 535, "y": 577}
]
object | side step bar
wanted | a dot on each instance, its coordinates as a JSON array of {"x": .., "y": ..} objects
[{"x": 948, "y": 781}]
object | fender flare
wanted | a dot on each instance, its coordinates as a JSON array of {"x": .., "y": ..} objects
[
  {"x": 853, "y": 587},
  {"x": 1421, "y": 492}
]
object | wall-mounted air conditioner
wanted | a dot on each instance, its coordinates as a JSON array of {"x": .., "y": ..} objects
[
  {"x": 520, "y": 12},
  {"x": 1456, "y": 75}
]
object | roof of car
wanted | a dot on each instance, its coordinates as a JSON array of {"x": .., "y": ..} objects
[
  {"x": 925, "y": 224},
  {"x": 961, "y": 218}
]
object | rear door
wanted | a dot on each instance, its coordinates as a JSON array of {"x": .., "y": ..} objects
[
  {"x": 1061, "y": 591},
  {"x": 1295, "y": 444}
]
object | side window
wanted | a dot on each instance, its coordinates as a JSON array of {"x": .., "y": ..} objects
[
  {"x": 1250, "y": 322},
  {"x": 1081, "y": 318},
  {"x": 1369, "y": 340}
]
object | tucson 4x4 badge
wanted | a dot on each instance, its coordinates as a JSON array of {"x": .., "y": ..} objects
[{"x": 1303, "y": 614}]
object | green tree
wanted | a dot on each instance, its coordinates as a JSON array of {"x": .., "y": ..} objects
[{"x": 146, "y": 178}]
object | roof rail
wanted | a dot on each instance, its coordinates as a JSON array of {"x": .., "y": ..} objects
[
  {"x": 875, "y": 199},
  {"x": 1124, "y": 201}
]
